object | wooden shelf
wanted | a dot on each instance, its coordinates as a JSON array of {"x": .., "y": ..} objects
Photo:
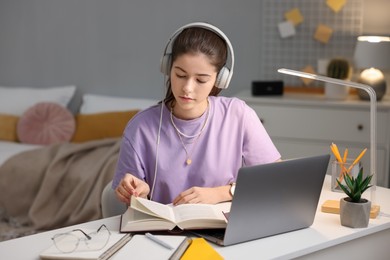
[{"x": 311, "y": 90}]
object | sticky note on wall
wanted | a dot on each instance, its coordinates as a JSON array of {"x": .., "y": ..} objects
[
  {"x": 286, "y": 29},
  {"x": 294, "y": 16},
  {"x": 336, "y": 5},
  {"x": 323, "y": 33},
  {"x": 308, "y": 69}
]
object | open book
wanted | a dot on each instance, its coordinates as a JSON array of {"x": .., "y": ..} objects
[{"x": 146, "y": 215}]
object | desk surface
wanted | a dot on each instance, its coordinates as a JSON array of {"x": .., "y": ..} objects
[{"x": 325, "y": 232}]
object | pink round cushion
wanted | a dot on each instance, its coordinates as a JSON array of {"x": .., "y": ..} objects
[{"x": 46, "y": 123}]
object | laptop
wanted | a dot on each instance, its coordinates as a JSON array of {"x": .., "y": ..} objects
[{"x": 272, "y": 199}]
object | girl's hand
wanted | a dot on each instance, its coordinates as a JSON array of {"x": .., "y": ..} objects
[
  {"x": 203, "y": 195},
  {"x": 131, "y": 186}
]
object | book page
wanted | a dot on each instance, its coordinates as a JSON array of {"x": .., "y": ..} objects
[
  {"x": 134, "y": 216},
  {"x": 133, "y": 220},
  {"x": 182, "y": 213},
  {"x": 152, "y": 208},
  {"x": 197, "y": 212}
]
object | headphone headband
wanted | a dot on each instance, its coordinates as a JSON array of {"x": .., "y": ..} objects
[{"x": 224, "y": 75}]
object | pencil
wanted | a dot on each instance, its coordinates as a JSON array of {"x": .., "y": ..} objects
[
  {"x": 336, "y": 152},
  {"x": 357, "y": 159},
  {"x": 345, "y": 155}
]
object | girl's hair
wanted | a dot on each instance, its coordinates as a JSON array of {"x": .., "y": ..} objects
[{"x": 199, "y": 40}]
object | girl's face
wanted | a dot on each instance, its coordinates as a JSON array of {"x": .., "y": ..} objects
[{"x": 192, "y": 79}]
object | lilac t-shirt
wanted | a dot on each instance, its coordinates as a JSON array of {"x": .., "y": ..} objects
[{"x": 232, "y": 137}]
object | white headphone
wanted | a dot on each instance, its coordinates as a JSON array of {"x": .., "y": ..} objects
[{"x": 224, "y": 75}]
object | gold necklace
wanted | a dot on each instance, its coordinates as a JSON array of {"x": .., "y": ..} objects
[
  {"x": 189, "y": 155},
  {"x": 180, "y": 134},
  {"x": 201, "y": 130}
]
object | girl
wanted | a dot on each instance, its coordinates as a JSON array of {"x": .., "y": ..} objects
[{"x": 188, "y": 148}]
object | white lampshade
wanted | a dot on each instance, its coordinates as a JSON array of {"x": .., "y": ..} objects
[{"x": 372, "y": 52}]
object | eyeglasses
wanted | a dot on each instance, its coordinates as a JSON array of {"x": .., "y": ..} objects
[{"x": 70, "y": 241}]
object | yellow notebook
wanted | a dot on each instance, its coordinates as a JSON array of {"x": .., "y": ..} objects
[{"x": 200, "y": 249}]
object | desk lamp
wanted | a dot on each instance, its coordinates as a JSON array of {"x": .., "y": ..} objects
[
  {"x": 371, "y": 93},
  {"x": 371, "y": 54}
]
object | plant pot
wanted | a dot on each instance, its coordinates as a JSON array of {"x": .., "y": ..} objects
[
  {"x": 337, "y": 92},
  {"x": 354, "y": 215}
]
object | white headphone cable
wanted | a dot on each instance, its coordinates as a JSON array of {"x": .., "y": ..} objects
[{"x": 157, "y": 145}]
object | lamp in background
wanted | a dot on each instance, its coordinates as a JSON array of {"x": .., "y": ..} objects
[
  {"x": 372, "y": 95},
  {"x": 372, "y": 53}
]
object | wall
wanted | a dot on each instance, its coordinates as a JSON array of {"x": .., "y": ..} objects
[
  {"x": 114, "y": 47},
  {"x": 302, "y": 49},
  {"x": 376, "y": 17}
]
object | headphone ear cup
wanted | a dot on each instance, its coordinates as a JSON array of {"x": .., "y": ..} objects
[
  {"x": 165, "y": 64},
  {"x": 222, "y": 78}
]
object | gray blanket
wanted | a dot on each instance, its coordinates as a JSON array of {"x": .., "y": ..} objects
[{"x": 54, "y": 186}]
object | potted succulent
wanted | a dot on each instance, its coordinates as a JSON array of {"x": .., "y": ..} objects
[
  {"x": 338, "y": 68},
  {"x": 355, "y": 210}
]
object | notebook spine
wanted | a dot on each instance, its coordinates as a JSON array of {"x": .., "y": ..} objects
[{"x": 115, "y": 247}]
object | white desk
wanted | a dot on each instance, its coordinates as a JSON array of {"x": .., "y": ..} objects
[{"x": 325, "y": 239}]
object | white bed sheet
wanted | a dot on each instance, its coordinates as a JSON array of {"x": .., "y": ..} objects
[{"x": 8, "y": 149}]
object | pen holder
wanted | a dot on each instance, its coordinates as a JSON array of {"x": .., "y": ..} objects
[{"x": 338, "y": 170}]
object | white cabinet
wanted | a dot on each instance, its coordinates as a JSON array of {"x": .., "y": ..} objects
[{"x": 307, "y": 124}]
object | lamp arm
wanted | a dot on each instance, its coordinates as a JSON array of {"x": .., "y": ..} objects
[{"x": 371, "y": 92}]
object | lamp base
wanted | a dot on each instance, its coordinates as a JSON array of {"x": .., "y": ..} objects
[{"x": 379, "y": 90}]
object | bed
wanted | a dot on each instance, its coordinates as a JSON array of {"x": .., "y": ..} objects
[{"x": 54, "y": 164}]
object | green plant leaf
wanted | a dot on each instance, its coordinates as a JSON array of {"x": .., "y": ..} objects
[
  {"x": 355, "y": 187},
  {"x": 349, "y": 181},
  {"x": 345, "y": 189}
]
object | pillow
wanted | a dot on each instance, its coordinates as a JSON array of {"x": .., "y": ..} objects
[
  {"x": 46, "y": 123},
  {"x": 101, "y": 125},
  {"x": 16, "y": 100},
  {"x": 8, "y": 125},
  {"x": 99, "y": 103}
]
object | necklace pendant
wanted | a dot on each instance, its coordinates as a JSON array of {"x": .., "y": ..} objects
[{"x": 188, "y": 161}]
